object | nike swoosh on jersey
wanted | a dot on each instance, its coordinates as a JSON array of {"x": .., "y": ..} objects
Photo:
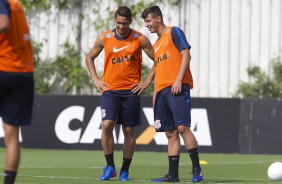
[
  {"x": 156, "y": 49},
  {"x": 119, "y": 49}
]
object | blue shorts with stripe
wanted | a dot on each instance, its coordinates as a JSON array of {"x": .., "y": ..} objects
[
  {"x": 122, "y": 106},
  {"x": 16, "y": 98},
  {"x": 170, "y": 110}
]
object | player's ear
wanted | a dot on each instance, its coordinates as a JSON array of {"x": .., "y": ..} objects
[{"x": 159, "y": 18}]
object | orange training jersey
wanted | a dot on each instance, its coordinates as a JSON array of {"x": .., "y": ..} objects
[
  {"x": 122, "y": 63},
  {"x": 167, "y": 62},
  {"x": 15, "y": 46}
]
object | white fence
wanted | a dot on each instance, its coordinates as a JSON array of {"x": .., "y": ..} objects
[{"x": 226, "y": 37}]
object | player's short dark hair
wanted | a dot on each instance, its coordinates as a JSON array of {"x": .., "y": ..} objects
[
  {"x": 155, "y": 11},
  {"x": 124, "y": 11}
]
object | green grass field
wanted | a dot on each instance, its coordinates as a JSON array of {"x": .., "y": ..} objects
[{"x": 85, "y": 167}]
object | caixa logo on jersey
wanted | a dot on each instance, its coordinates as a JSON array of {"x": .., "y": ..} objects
[{"x": 200, "y": 128}]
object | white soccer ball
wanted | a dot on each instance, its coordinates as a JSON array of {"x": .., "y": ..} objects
[{"x": 274, "y": 171}]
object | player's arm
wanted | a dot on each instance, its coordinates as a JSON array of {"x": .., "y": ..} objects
[
  {"x": 4, "y": 18},
  {"x": 147, "y": 47},
  {"x": 183, "y": 47},
  {"x": 90, "y": 57}
]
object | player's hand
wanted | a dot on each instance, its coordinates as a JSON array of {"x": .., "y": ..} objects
[
  {"x": 101, "y": 85},
  {"x": 176, "y": 88},
  {"x": 139, "y": 87}
]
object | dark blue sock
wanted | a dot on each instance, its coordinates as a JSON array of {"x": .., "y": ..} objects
[
  {"x": 173, "y": 165},
  {"x": 9, "y": 177},
  {"x": 194, "y": 156},
  {"x": 125, "y": 164},
  {"x": 110, "y": 159}
]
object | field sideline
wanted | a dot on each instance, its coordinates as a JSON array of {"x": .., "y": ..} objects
[{"x": 40, "y": 166}]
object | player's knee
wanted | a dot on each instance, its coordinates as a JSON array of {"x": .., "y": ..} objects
[
  {"x": 182, "y": 130},
  {"x": 172, "y": 135},
  {"x": 108, "y": 126},
  {"x": 129, "y": 135},
  {"x": 11, "y": 131}
]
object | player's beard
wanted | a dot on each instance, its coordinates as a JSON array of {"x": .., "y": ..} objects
[{"x": 123, "y": 32}]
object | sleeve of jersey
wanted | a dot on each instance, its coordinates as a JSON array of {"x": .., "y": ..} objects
[
  {"x": 179, "y": 39},
  {"x": 4, "y": 8}
]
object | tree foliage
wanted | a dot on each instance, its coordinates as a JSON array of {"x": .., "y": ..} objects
[
  {"x": 31, "y": 5},
  {"x": 42, "y": 73},
  {"x": 67, "y": 69},
  {"x": 262, "y": 85},
  {"x": 62, "y": 75},
  {"x": 145, "y": 72}
]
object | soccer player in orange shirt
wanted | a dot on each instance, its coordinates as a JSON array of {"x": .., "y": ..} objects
[
  {"x": 16, "y": 80},
  {"x": 120, "y": 86},
  {"x": 173, "y": 81}
]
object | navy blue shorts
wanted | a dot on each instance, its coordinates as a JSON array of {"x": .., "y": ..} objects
[
  {"x": 171, "y": 111},
  {"x": 121, "y": 106},
  {"x": 16, "y": 98}
]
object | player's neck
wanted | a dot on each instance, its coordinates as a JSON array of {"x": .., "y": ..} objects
[{"x": 161, "y": 29}]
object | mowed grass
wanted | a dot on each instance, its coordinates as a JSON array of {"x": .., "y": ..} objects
[{"x": 85, "y": 167}]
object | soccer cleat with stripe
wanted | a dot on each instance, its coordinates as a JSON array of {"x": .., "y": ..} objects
[
  {"x": 123, "y": 175},
  {"x": 166, "y": 178},
  {"x": 108, "y": 172},
  {"x": 197, "y": 175}
]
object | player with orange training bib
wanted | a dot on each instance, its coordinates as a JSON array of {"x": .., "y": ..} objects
[
  {"x": 172, "y": 88},
  {"x": 120, "y": 86},
  {"x": 16, "y": 80}
]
